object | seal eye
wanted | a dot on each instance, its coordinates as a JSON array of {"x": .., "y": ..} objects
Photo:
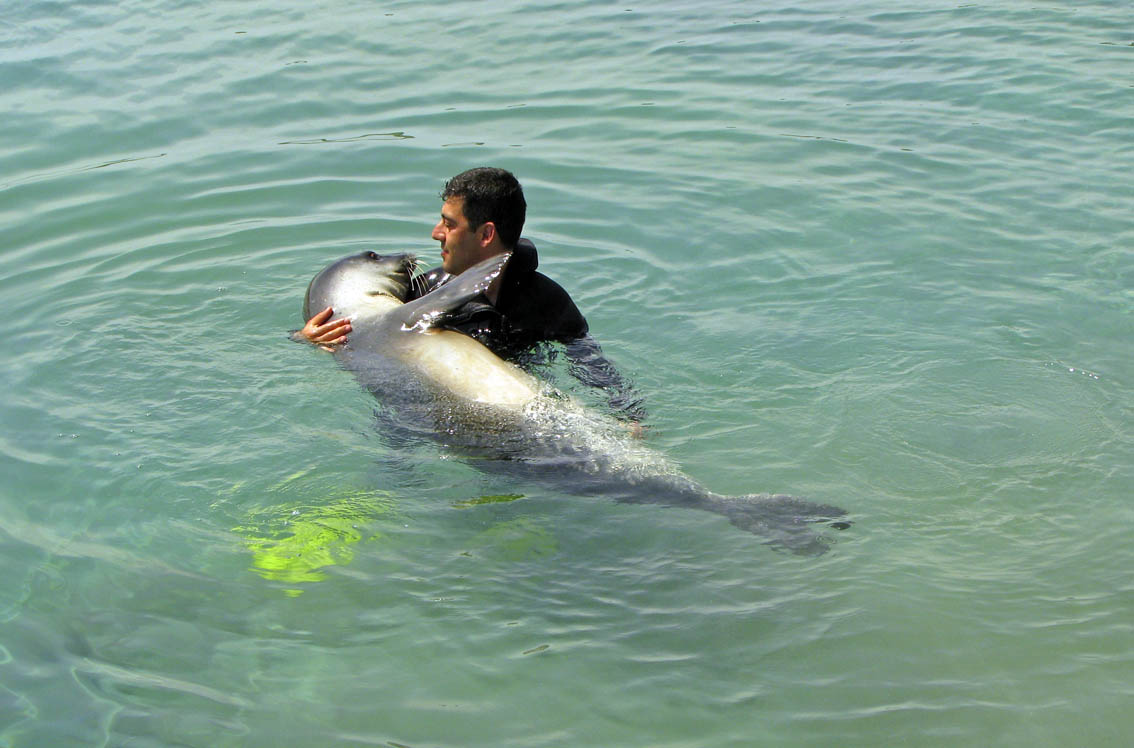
[{"x": 372, "y": 255}]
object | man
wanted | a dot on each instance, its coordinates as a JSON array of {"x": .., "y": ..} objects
[{"x": 482, "y": 215}]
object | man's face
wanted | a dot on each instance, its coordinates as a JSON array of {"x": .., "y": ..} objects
[{"x": 461, "y": 247}]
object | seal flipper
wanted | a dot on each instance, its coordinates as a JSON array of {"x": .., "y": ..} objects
[
  {"x": 423, "y": 313},
  {"x": 786, "y": 521}
]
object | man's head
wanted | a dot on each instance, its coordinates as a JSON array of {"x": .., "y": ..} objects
[{"x": 483, "y": 215}]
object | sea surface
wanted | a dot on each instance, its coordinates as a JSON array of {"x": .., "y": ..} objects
[{"x": 876, "y": 254}]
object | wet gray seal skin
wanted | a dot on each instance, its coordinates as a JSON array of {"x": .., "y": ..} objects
[{"x": 447, "y": 385}]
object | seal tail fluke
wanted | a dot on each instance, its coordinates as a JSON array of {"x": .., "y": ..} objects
[{"x": 788, "y": 523}]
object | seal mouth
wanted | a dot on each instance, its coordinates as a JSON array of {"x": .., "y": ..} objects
[
  {"x": 398, "y": 270},
  {"x": 409, "y": 279},
  {"x": 416, "y": 277}
]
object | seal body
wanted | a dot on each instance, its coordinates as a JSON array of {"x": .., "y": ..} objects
[
  {"x": 394, "y": 347},
  {"x": 452, "y": 387}
]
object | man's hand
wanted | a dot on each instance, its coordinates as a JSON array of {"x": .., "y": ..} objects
[{"x": 325, "y": 334}]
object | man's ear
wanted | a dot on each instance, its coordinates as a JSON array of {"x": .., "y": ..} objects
[{"x": 486, "y": 233}]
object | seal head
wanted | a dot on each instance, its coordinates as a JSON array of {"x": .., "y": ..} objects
[{"x": 352, "y": 283}]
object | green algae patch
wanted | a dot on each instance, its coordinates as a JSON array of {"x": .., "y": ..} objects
[{"x": 296, "y": 542}]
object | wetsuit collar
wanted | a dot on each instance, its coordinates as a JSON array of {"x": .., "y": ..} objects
[{"x": 524, "y": 257}]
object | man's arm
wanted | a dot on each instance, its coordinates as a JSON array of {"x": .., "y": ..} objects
[{"x": 590, "y": 367}]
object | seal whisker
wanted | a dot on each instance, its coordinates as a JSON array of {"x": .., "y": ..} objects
[{"x": 417, "y": 279}]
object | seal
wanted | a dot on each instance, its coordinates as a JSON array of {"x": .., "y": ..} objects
[{"x": 457, "y": 390}]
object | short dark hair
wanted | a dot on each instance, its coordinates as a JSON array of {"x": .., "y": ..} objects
[{"x": 490, "y": 194}]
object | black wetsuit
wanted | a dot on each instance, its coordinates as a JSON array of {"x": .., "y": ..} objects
[{"x": 530, "y": 309}]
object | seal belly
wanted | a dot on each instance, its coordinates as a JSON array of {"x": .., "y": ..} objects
[{"x": 464, "y": 368}]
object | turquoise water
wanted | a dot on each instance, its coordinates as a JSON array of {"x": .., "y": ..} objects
[{"x": 873, "y": 255}]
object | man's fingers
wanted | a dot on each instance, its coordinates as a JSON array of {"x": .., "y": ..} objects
[
  {"x": 331, "y": 336},
  {"x": 332, "y": 332},
  {"x": 327, "y": 345},
  {"x": 323, "y": 333}
]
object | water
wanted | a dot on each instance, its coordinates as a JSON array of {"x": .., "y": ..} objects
[{"x": 873, "y": 255}]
